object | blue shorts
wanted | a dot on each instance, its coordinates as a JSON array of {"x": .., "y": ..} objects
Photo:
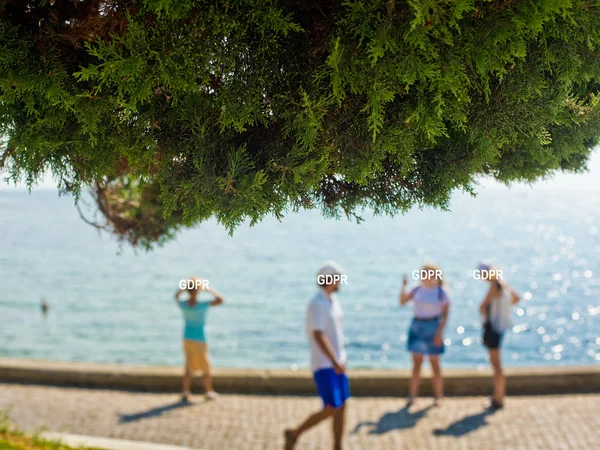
[
  {"x": 333, "y": 388},
  {"x": 491, "y": 338},
  {"x": 421, "y": 335}
]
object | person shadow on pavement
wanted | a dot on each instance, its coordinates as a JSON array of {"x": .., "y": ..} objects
[
  {"x": 465, "y": 425},
  {"x": 396, "y": 420},
  {"x": 154, "y": 412}
]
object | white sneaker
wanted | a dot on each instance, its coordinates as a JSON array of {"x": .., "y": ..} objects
[{"x": 211, "y": 395}]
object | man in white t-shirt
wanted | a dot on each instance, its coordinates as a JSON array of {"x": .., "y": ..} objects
[{"x": 327, "y": 355}]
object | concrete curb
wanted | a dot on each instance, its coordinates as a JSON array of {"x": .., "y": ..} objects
[
  {"x": 520, "y": 381},
  {"x": 77, "y": 440}
]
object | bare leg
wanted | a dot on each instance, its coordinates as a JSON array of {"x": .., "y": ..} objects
[
  {"x": 312, "y": 420},
  {"x": 415, "y": 379},
  {"x": 438, "y": 381},
  {"x": 499, "y": 381},
  {"x": 187, "y": 383},
  {"x": 208, "y": 387},
  {"x": 338, "y": 427}
]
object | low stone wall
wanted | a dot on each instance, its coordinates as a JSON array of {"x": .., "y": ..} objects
[{"x": 520, "y": 381}]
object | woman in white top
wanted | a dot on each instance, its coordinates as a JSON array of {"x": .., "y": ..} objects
[
  {"x": 496, "y": 311},
  {"x": 426, "y": 334}
]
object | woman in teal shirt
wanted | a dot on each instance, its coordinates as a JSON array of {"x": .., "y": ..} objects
[{"x": 194, "y": 340}]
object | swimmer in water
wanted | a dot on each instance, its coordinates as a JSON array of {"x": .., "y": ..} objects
[{"x": 45, "y": 306}]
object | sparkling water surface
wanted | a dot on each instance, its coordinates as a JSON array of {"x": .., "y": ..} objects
[{"x": 108, "y": 305}]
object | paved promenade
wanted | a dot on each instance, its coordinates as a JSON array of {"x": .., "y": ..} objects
[{"x": 256, "y": 422}]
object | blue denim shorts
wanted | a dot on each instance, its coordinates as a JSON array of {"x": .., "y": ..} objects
[
  {"x": 420, "y": 337},
  {"x": 333, "y": 388}
]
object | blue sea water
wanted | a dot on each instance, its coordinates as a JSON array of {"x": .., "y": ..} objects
[{"x": 111, "y": 305}]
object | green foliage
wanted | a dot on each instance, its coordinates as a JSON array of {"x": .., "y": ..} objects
[
  {"x": 177, "y": 111},
  {"x": 13, "y": 439}
]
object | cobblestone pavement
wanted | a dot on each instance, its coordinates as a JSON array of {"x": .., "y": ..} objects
[{"x": 256, "y": 422}]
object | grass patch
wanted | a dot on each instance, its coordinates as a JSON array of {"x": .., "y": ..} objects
[{"x": 13, "y": 439}]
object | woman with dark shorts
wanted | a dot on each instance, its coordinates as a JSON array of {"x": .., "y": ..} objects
[
  {"x": 496, "y": 310},
  {"x": 426, "y": 334}
]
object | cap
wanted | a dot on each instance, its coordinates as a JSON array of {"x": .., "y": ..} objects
[{"x": 330, "y": 268}]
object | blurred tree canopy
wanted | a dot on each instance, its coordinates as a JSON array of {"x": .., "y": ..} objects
[{"x": 173, "y": 111}]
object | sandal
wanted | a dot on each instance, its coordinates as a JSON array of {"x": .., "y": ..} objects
[
  {"x": 211, "y": 395},
  {"x": 493, "y": 405}
]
